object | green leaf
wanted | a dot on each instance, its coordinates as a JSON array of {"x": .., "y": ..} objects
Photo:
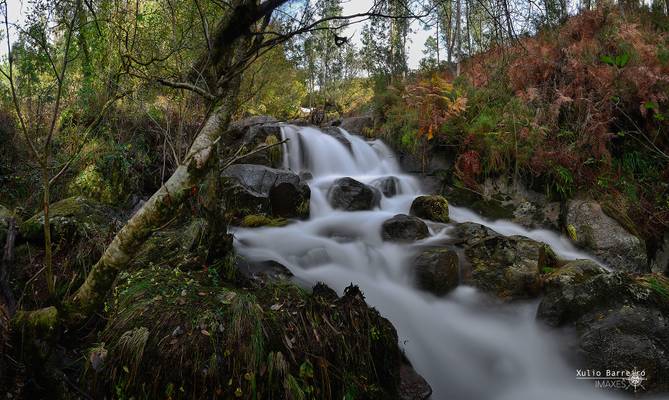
[{"x": 608, "y": 60}]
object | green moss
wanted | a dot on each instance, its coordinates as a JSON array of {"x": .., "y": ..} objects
[
  {"x": 73, "y": 216},
  {"x": 659, "y": 284},
  {"x": 257, "y": 220},
  {"x": 210, "y": 341}
]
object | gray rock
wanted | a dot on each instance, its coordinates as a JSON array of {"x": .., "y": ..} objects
[
  {"x": 605, "y": 237},
  {"x": 257, "y": 189},
  {"x": 254, "y": 132},
  {"x": 263, "y": 271},
  {"x": 621, "y": 321},
  {"x": 351, "y": 195},
  {"x": 337, "y": 134},
  {"x": 412, "y": 385},
  {"x": 389, "y": 185},
  {"x": 404, "y": 228},
  {"x": 356, "y": 125},
  {"x": 437, "y": 270}
]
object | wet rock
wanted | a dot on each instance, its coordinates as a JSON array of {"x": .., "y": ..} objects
[
  {"x": 337, "y": 134},
  {"x": 263, "y": 271},
  {"x": 535, "y": 215},
  {"x": 492, "y": 208},
  {"x": 508, "y": 267},
  {"x": 621, "y": 321},
  {"x": 389, "y": 185},
  {"x": 350, "y": 195},
  {"x": 437, "y": 270},
  {"x": 605, "y": 237},
  {"x": 434, "y": 208},
  {"x": 356, "y": 125},
  {"x": 254, "y": 132},
  {"x": 239, "y": 128},
  {"x": 74, "y": 217},
  {"x": 256, "y": 189},
  {"x": 404, "y": 228},
  {"x": 412, "y": 385},
  {"x": 572, "y": 273},
  {"x": 468, "y": 233}
]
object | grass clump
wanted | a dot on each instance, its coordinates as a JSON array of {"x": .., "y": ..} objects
[{"x": 172, "y": 333}]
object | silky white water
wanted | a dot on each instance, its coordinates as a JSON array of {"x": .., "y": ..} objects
[{"x": 466, "y": 345}]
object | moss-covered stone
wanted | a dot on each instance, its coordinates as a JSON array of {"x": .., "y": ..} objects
[
  {"x": 434, "y": 208},
  {"x": 73, "y": 217},
  {"x": 506, "y": 266},
  {"x": 620, "y": 319},
  {"x": 488, "y": 208},
  {"x": 257, "y": 220},
  {"x": 175, "y": 334}
]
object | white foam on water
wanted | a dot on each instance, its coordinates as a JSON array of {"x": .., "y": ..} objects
[{"x": 466, "y": 345}]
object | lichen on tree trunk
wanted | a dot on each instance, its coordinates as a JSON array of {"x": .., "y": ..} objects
[{"x": 160, "y": 208}]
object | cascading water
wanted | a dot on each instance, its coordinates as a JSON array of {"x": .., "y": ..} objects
[{"x": 464, "y": 344}]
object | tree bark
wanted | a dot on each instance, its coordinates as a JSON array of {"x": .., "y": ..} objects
[{"x": 159, "y": 209}]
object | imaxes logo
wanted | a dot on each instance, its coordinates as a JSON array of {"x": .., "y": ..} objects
[{"x": 614, "y": 379}]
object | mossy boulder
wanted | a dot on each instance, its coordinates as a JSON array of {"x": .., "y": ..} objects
[
  {"x": 404, "y": 229},
  {"x": 433, "y": 208},
  {"x": 73, "y": 218},
  {"x": 592, "y": 229},
  {"x": 508, "y": 267},
  {"x": 492, "y": 207},
  {"x": 437, "y": 270},
  {"x": 177, "y": 334},
  {"x": 620, "y": 319},
  {"x": 258, "y": 220},
  {"x": 184, "y": 244}
]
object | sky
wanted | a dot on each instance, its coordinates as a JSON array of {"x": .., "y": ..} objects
[{"x": 415, "y": 42}]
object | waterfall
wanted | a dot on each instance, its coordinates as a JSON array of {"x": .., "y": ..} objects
[{"x": 466, "y": 345}]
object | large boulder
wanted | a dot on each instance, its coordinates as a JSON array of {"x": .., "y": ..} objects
[
  {"x": 254, "y": 132},
  {"x": 404, "y": 228},
  {"x": 434, "y": 208},
  {"x": 358, "y": 125},
  {"x": 508, "y": 267},
  {"x": 592, "y": 229},
  {"x": 620, "y": 320},
  {"x": 388, "y": 185},
  {"x": 437, "y": 270},
  {"x": 257, "y": 190},
  {"x": 350, "y": 195},
  {"x": 337, "y": 134},
  {"x": 73, "y": 217}
]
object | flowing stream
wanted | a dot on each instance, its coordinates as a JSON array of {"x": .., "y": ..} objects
[{"x": 466, "y": 345}]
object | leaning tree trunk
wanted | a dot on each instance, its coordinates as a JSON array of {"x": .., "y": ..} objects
[
  {"x": 230, "y": 45},
  {"x": 159, "y": 209}
]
